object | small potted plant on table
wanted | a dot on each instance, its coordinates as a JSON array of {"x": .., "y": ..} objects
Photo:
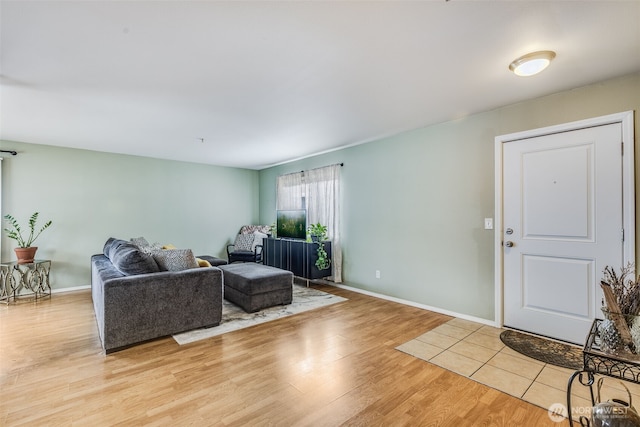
[{"x": 25, "y": 252}]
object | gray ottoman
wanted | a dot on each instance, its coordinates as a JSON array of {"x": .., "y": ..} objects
[{"x": 255, "y": 286}]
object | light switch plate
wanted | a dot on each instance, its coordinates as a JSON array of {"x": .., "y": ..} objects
[{"x": 488, "y": 223}]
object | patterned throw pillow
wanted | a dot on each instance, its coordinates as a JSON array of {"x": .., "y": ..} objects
[
  {"x": 243, "y": 242},
  {"x": 175, "y": 259},
  {"x": 140, "y": 242},
  {"x": 144, "y": 246}
]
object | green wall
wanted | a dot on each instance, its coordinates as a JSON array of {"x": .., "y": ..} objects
[
  {"x": 414, "y": 204},
  {"x": 91, "y": 196}
]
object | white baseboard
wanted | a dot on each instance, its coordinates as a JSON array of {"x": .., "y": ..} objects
[
  {"x": 361, "y": 291},
  {"x": 72, "y": 289},
  {"x": 417, "y": 305}
]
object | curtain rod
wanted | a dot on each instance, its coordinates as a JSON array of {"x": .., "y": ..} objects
[
  {"x": 320, "y": 167},
  {"x": 13, "y": 153}
]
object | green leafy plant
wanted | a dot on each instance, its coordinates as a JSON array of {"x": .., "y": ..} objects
[
  {"x": 15, "y": 232},
  {"x": 319, "y": 231},
  {"x": 323, "y": 262}
]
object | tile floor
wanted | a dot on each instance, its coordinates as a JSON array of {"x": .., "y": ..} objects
[{"x": 476, "y": 351}]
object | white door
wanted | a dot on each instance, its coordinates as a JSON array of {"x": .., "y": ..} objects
[{"x": 562, "y": 224}]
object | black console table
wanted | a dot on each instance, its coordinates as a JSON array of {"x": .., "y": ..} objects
[{"x": 296, "y": 256}]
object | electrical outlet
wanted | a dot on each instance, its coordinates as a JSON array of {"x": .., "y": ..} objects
[
  {"x": 488, "y": 223},
  {"x": 377, "y": 274}
]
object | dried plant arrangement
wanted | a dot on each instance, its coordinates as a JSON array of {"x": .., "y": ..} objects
[
  {"x": 620, "y": 331},
  {"x": 625, "y": 288}
]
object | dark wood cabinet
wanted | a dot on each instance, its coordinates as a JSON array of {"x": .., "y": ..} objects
[{"x": 296, "y": 256}]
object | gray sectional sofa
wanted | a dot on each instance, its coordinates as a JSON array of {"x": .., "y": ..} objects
[{"x": 135, "y": 300}]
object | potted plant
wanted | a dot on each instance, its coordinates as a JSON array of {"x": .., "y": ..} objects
[
  {"x": 25, "y": 252},
  {"x": 318, "y": 234}
]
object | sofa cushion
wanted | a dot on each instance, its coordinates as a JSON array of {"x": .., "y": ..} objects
[
  {"x": 213, "y": 261},
  {"x": 128, "y": 259},
  {"x": 175, "y": 259}
]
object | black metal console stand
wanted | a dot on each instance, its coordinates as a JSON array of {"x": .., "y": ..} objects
[{"x": 595, "y": 361}]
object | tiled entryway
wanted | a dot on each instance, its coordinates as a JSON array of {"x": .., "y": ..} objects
[{"x": 476, "y": 351}]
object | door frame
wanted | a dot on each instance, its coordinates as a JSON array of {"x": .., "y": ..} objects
[{"x": 626, "y": 119}]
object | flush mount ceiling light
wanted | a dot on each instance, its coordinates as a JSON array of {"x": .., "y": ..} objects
[{"x": 532, "y": 63}]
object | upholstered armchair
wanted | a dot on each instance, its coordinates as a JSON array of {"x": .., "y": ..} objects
[{"x": 248, "y": 244}]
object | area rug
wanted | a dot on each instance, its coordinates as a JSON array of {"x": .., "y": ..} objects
[
  {"x": 235, "y": 318},
  {"x": 544, "y": 350}
]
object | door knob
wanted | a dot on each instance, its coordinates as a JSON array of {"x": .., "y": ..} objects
[{"x": 508, "y": 244}]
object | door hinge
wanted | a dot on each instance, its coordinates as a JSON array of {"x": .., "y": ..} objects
[
  {"x": 622, "y": 147},
  {"x": 622, "y": 234}
]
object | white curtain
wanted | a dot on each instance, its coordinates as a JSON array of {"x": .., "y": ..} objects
[
  {"x": 323, "y": 206},
  {"x": 317, "y": 191},
  {"x": 290, "y": 191}
]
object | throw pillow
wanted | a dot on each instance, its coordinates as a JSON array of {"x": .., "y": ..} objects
[
  {"x": 110, "y": 243},
  {"x": 203, "y": 262},
  {"x": 258, "y": 239},
  {"x": 140, "y": 242},
  {"x": 153, "y": 247},
  {"x": 129, "y": 260},
  {"x": 175, "y": 259},
  {"x": 169, "y": 246},
  {"x": 243, "y": 242}
]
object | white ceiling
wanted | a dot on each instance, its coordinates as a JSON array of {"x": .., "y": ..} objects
[{"x": 266, "y": 82}]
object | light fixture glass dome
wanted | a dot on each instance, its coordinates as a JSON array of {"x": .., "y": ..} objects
[{"x": 532, "y": 63}]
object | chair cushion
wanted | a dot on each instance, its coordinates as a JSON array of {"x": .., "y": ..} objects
[
  {"x": 246, "y": 256},
  {"x": 258, "y": 239},
  {"x": 243, "y": 242}
]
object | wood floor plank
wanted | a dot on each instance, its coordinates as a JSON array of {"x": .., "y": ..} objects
[{"x": 327, "y": 367}]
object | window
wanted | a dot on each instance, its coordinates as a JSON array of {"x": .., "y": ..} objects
[{"x": 317, "y": 191}]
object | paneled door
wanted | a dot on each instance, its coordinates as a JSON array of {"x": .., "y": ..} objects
[{"x": 562, "y": 224}]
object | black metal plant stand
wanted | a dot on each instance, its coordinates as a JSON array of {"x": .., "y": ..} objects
[{"x": 595, "y": 361}]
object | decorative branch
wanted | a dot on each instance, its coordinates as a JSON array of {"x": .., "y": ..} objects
[{"x": 625, "y": 287}]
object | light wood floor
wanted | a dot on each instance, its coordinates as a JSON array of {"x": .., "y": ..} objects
[{"x": 332, "y": 366}]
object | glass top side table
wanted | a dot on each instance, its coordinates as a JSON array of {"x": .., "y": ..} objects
[{"x": 24, "y": 280}]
